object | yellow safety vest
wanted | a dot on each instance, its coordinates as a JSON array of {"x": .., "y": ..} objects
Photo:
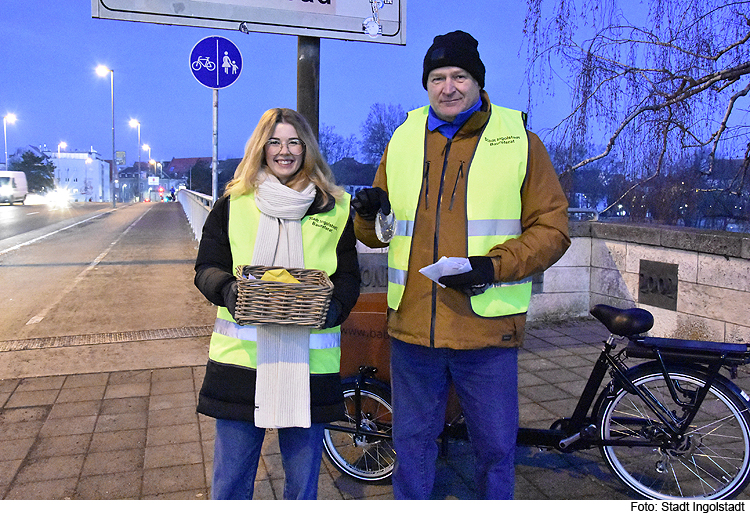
[
  {"x": 495, "y": 176},
  {"x": 234, "y": 344}
]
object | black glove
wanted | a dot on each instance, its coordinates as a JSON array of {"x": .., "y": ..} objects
[
  {"x": 472, "y": 282},
  {"x": 368, "y": 202},
  {"x": 229, "y": 292},
  {"x": 334, "y": 311}
]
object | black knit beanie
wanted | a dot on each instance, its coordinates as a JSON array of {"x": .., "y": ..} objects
[{"x": 457, "y": 48}]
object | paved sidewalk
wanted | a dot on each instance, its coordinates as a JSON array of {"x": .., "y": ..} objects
[{"x": 135, "y": 435}]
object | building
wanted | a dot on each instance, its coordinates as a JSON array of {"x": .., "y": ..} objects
[
  {"x": 132, "y": 183},
  {"x": 85, "y": 175}
]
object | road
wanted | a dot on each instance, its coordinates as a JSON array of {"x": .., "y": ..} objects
[
  {"x": 121, "y": 277},
  {"x": 16, "y": 220}
]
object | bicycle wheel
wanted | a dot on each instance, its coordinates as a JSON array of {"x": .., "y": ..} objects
[
  {"x": 365, "y": 458},
  {"x": 712, "y": 461}
]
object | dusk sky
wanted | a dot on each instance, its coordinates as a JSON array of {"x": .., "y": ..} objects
[{"x": 51, "y": 49}]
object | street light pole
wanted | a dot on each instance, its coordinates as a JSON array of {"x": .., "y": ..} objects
[
  {"x": 7, "y": 118},
  {"x": 136, "y": 123},
  {"x": 60, "y": 145},
  {"x": 146, "y": 147},
  {"x": 102, "y": 71}
]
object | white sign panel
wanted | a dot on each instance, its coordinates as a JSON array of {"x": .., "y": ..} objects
[
  {"x": 153, "y": 180},
  {"x": 381, "y": 21}
]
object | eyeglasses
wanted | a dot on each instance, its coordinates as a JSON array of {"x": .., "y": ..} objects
[{"x": 294, "y": 146}]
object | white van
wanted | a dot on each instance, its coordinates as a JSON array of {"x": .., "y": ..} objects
[{"x": 13, "y": 187}]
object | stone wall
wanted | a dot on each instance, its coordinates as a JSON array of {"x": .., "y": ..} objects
[{"x": 630, "y": 265}]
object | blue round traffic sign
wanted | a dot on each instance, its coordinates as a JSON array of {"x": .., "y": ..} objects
[{"x": 215, "y": 62}]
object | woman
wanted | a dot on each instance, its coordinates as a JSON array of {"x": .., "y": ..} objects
[{"x": 281, "y": 209}]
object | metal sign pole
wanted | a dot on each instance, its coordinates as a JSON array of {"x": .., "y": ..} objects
[
  {"x": 215, "y": 155},
  {"x": 308, "y": 80},
  {"x": 216, "y": 63}
]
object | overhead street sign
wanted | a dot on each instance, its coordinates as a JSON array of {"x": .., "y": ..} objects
[
  {"x": 382, "y": 21},
  {"x": 215, "y": 62}
]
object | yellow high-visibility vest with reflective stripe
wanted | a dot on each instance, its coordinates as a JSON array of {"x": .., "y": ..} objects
[
  {"x": 493, "y": 207},
  {"x": 235, "y": 344}
]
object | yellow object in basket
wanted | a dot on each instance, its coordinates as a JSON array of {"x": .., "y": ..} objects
[{"x": 279, "y": 275}]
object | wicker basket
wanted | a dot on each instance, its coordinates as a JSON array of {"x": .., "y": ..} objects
[{"x": 269, "y": 302}]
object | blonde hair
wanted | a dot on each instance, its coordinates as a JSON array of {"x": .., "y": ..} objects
[{"x": 314, "y": 167}]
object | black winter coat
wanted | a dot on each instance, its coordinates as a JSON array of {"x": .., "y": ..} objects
[{"x": 228, "y": 391}]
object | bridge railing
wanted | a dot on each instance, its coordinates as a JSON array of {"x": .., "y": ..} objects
[{"x": 196, "y": 207}]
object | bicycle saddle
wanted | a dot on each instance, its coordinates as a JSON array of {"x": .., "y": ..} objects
[{"x": 623, "y": 322}]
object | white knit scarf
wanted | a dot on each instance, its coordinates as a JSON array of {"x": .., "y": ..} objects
[{"x": 282, "y": 390}]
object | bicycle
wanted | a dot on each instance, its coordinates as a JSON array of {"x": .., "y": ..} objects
[
  {"x": 670, "y": 427},
  {"x": 203, "y": 62}
]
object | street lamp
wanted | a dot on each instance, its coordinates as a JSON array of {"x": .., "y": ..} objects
[
  {"x": 60, "y": 145},
  {"x": 146, "y": 147},
  {"x": 102, "y": 71},
  {"x": 134, "y": 123},
  {"x": 7, "y": 118}
]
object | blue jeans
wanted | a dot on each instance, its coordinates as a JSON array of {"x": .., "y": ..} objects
[
  {"x": 237, "y": 452},
  {"x": 486, "y": 382}
]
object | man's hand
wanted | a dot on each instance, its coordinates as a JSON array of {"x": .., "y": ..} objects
[
  {"x": 368, "y": 202},
  {"x": 472, "y": 282}
]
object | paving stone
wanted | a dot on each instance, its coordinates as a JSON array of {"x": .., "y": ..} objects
[
  {"x": 73, "y": 409},
  {"x": 121, "y": 422},
  {"x": 172, "y": 434},
  {"x": 42, "y": 383},
  {"x": 127, "y": 390},
  {"x": 81, "y": 394},
  {"x": 118, "y": 440},
  {"x": 85, "y": 380},
  {"x": 171, "y": 479},
  {"x": 51, "y": 468},
  {"x": 53, "y": 489},
  {"x": 32, "y": 398},
  {"x": 15, "y": 449},
  {"x": 110, "y": 486},
  {"x": 173, "y": 455},
  {"x": 172, "y": 386},
  {"x": 125, "y": 405},
  {"x": 163, "y": 417},
  {"x": 124, "y": 461}
]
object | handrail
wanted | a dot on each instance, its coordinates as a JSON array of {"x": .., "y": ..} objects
[{"x": 196, "y": 207}]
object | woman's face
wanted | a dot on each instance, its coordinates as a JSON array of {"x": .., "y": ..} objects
[{"x": 284, "y": 152}]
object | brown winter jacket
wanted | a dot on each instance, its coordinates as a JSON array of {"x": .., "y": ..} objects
[{"x": 442, "y": 317}]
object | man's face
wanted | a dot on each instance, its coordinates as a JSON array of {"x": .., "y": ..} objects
[{"x": 451, "y": 90}]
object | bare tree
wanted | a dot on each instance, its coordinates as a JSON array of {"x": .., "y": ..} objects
[
  {"x": 652, "y": 92},
  {"x": 334, "y": 146},
  {"x": 378, "y": 128}
]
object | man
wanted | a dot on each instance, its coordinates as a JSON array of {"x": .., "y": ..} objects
[{"x": 464, "y": 179}]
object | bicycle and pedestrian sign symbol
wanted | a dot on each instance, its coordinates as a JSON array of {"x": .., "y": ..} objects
[{"x": 215, "y": 62}]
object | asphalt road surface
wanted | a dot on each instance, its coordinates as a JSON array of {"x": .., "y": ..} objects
[
  {"x": 19, "y": 219},
  {"x": 123, "y": 271}
]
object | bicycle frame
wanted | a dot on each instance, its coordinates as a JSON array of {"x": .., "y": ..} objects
[
  {"x": 364, "y": 373},
  {"x": 580, "y": 429}
]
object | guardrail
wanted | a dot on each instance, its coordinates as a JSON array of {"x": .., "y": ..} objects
[{"x": 196, "y": 207}]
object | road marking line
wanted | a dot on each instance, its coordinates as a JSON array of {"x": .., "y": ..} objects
[
  {"x": 37, "y": 239},
  {"x": 41, "y": 315}
]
